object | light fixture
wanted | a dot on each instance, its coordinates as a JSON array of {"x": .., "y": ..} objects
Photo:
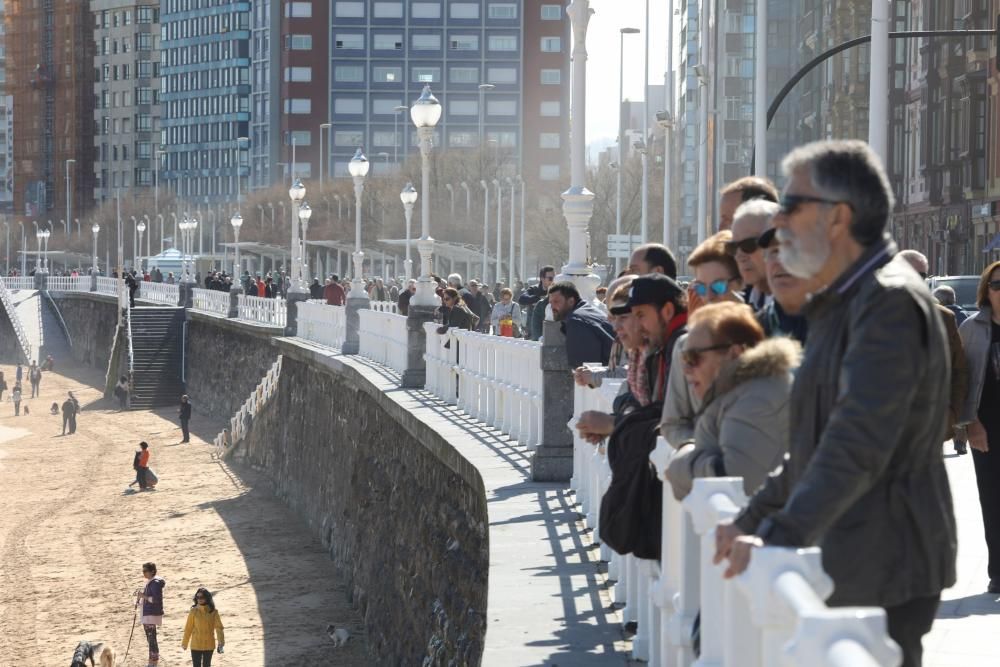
[
  {"x": 426, "y": 111},
  {"x": 358, "y": 166},
  {"x": 408, "y": 195}
]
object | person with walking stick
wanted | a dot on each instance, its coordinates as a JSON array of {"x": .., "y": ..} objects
[{"x": 150, "y": 596}]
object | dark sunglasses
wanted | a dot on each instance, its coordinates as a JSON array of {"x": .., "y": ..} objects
[
  {"x": 718, "y": 287},
  {"x": 994, "y": 285},
  {"x": 748, "y": 246},
  {"x": 791, "y": 203},
  {"x": 692, "y": 356}
]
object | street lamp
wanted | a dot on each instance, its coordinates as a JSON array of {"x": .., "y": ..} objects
[
  {"x": 496, "y": 184},
  {"x": 358, "y": 168},
  {"x": 239, "y": 187},
  {"x": 483, "y": 87},
  {"x": 340, "y": 212},
  {"x": 621, "y": 132},
  {"x": 324, "y": 150},
  {"x": 486, "y": 230},
  {"x": 141, "y": 227},
  {"x": 510, "y": 243},
  {"x": 296, "y": 193},
  {"x": 425, "y": 114},
  {"x": 149, "y": 251},
  {"x": 69, "y": 193},
  {"x": 305, "y": 212},
  {"x": 395, "y": 131},
  {"x": 46, "y": 233},
  {"x": 95, "y": 229},
  {"x": 409, "y": 197},
  {"x": 236, "y": 221}
]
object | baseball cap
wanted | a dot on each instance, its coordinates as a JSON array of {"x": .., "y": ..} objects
[
  {"x": 654, "y": 289},
  {"x": 767, "y": 238}
]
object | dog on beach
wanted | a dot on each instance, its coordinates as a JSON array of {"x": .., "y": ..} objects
[
  {"x": 99, "y": 651},
  {"x": 338, "y": 635}
]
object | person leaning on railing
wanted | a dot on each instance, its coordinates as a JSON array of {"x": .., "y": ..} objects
[{"x": 454, "y": 313}]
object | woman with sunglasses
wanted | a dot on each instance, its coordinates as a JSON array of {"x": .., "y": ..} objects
[
  {"x": 454, "y": 313},
  {"x": 981, "y": 339},
  {"x": 742, "y": 382},
  {"x": 202, "y": 628}
]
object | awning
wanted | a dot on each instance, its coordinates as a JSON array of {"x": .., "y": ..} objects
[{"x": 993, "y": 245}]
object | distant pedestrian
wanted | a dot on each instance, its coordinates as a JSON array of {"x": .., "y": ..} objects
[
  {"x": 141, "y": 464},
  {"x": 150, "y": 597},
  {"x": 49, "y": 364},
  {"x": 121, "y": 393},
  {"x": 3, "y": 385},
  {"x": 185, "y": 416},
  {"x": 202, "y": 628},
  {"x": 15, "y": 396},
  {"x": 69, "y": 410},
  {"x": 35, "y": 377},
  {"x": 18, "y": 374},
  {"x": 333, "y": 292}
]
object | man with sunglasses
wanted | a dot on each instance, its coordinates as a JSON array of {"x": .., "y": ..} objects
[
  {"x": 864, "y": 477},
  {"x": 750, "y": 221},
  {"x": 535, "y": 300}
]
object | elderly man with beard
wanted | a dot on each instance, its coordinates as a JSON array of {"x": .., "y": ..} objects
[{"x": 864, "y": 477}]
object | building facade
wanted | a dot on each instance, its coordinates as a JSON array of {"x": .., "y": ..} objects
[
  {"x": 205, "y": 98},
  {"x": 126, "y": 95},
  {"x": 7, "y": 182}
]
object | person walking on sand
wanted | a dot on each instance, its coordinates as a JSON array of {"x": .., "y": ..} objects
[
  {"x": 141, "y": 465},
  {"x": 121, "y": 393},
  {"x": 69, "y": 409},
  {"x": 3, "y": 385},
  {"x": 18, "y": 373},
  {"x": 150, "y": 596},
  {"x": 185, "y": 415},
  {"x": 202, "y": 628},
  {"x": 15, "y": 396},
  {"x": 35, "y": 377}
]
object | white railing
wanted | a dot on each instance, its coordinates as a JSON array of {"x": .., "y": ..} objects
[
  {"x": 15, "y": 283},
  {"x": 240, "y": 423},
  {"x": 210, "y": 301},
  {"x": 773, "y": 614},
  {"x": 68, "y": 283},
  {"x": 441, "y": 359},
  {"x": 320, "y": 323},
  {"x": 107, "y": 285},
  {"x": 382, "y": 338},
  {"x": 262, "y": 310},
  {"x": 159, "y": 292},
  {"x": 15, "y": 321},
  {"x": 385, "y": 307}
]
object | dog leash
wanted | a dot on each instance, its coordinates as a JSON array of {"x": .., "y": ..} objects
[{"x": 134, "y": 617}]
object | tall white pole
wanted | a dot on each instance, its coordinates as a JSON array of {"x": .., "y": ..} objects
[
  {"x": 578, "y": 201},
  {"x": 408, "y": 264},
  {"x": 703, "y": 56},
  {"x": 510, "y": 243},
  {"x": 496, "y": 183},
  {"x": 760, "y": 92},
  {"x": 523, "y": 275},
  {"x": 621, "y": 143},
  {"x": 644, "y": 232},
  {"x": 358, "y": 283},
  {"x": 878, "y": 96},
  {"x": 486, "y": 230},
  {"x": 668, "y": 159},
  {"x": 426, "y": 295}
]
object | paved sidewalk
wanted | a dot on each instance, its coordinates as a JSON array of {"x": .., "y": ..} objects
[{"x": 965, "y": 634}]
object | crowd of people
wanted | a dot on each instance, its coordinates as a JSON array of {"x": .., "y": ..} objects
[{"x": 808, "y": 357}]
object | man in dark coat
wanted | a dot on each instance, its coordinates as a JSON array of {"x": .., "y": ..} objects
[
  {"x": 315, "y": 290},
  {"x": 535, "y": 299},
  {"x": 478, "y": 304},
  {"x": 185, "y": 416},
  {"x": 69, "y": 410},
  {"x": 864, "y": 477},
  {"x": 588, "y": 333}
]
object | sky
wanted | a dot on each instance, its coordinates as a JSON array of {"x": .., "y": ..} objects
[{"x": 602, "y": 63}]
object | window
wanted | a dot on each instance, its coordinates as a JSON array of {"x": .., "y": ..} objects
[
  {"x": 463, "y": 10},
  {"x": 426, "y": 74},
  {"x": 552, "y": 12},
  {"x": 298, "y": 105},
  {"x": 501, "y": 75},
  {"x": 426, "y": 42},
  {"x": 144, "y": 41},
  {"x": 463, "y": 107},
  {"x": 145, "y": 14},
  {"x": 349, "y": 9},
  {"x": 548, "y": 140},
  {"x": 348, "y": 138},
  {"x": 551, "y": 44},
  {"x": 300, "y": 10},
  {"x": 388, "y": 10},
  {"x": 463, "y": 74},
  {"x": 460, "y": 139},
  {"x": 349, "y": 73},
  {"x": 298, "y": 74},
  {"x": 144, "y": 96},
  {"x": 501, "y": 108},
  {"x": 384, "y": 138},
  {"x": 144, "y": 123},
  {"x": 503, "y": 43},
  {"x": 551, "y": 77},
  {"x": 505, "y": 139},
  {"x": 425, "y": 10},
  {"x": 549, "y": 172},
  {"x": 301, "y": 137},
  {"x": 386, "y": 74},
  {"x": 550, "y": 108},
  {"x": 349, "y": 105},
  {"x": 387, "y": 42},
  {"x": 463, "y": 42},
  {"x": 385, "y": 107},
  {"x": 304, "y": 42},
  {"x": 349, "y": 41},
  {"x": 502, "y": 10}
]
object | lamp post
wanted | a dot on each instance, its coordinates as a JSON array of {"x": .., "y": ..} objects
[
  {"x": 69, "y": 193},
  {"x": 409, "y": 197},
  {"x": 324, "y": 150},
  {"x": 486, "y": 229},
  {"x": 644, "y": 196},
  {"x": 483, "y": 87},
  {"x": 236, "y": 221},
  {"x": 149, "y": 238},
  {"x": 621, "y": 132},
  {"x": 192, "y": 230},
  {"x": 135, "y": 253},
  {"x": 141, "y": 227},
  {"x": 395, "y": 131},
  {"x": 340, "y": 212},
  {"x": 95, "y": 230},
  {"x": 296, "y": 193},
  {"x": 496, "y": 184},
  {"x": 510, "y": 243},
  {"x": 523, "y": 274},
  {"x": 468, "y": 199},
  {"x": 156, "y": 187},
  {"x": 305, "y": 212},
  {"x": 358, "y": 168}
]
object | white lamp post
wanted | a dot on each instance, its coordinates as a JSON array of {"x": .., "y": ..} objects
[
  {"x": 183, "y": 225},
  {"x": 296, "y": 193},
  {"x": 486, "y": 230},
  {"x": 510, "y": 243},
  {"x": 425, "y": 114},
  {"x": 496, "y": 275},
  {"x": 141, "y": 227},
  {"x": 95, "y": 229},
  {"x": 236, "y": 221},
  {"x": 409, "y": 197},
  {"x": 358, "y": 168},
  {"x": 305, "y": 212},
  {"x": 621, "y": 132}
]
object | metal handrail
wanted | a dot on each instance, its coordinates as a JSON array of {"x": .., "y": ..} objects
[{"x": 15, "y": 321}]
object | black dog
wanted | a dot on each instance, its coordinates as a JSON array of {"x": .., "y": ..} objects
[{"x": 105, "y": 655}]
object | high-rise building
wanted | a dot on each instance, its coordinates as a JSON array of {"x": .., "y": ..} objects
[
  {"x": 49, "y": 74},
  {"x": 6, "y": 127},
  {"x": 205, "y": 98},
  {"x": 126, "y": 94}
]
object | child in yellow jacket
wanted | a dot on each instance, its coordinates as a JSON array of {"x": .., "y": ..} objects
[{"x": 202, "y": 627}]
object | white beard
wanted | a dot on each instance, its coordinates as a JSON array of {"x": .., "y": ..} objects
[{"x": 803, "y": 256}]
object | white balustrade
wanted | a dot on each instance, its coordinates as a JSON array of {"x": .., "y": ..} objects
[
  {"x": 68, "y": 283},
  {"x": 240, "y": 423},
  {"x": 15, "y": 283},
  {"x": 107, "y": 285},
  {"x": 15, "y": 320},
  {"x": 159, "y": 292},
  {"x": 773, "y": 615},
  {"x": 320, "y": 323},
  {"x": 382, "y": 338},
  {"x": 385, "y": 307},
  {"x": 262, "y": 310},
  {"x": 441, "y": 359},
  {"x": 210, "y": 301}
]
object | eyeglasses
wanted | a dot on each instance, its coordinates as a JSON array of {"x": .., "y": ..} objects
[
  {"x": 747, "y": 245},
  {"x": 718, "y": 287},
  {"x": 692, "y": 356},
  {"x": 791, "y": 203},
  {"x": 994, "y": 285}
]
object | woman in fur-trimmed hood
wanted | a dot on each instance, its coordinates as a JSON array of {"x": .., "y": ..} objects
[{"x": 744, "y": 383}]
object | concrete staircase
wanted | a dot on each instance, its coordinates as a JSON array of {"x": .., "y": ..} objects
[{"x": 157, "y": 356}]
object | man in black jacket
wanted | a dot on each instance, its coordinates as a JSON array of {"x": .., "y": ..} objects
[
  {"x": 185, "y": 416},
  {"x": 534, "y": 301},
  {"x": 864, "y": 477},
  {"x": 588, "y": 333}
]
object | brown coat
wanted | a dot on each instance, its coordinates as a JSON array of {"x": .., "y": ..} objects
[{"x": 959, "y": 369}]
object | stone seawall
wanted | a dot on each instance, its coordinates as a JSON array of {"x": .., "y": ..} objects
[
  {"x": 402, "y": 513},
  {"x": 90, "y": 320},
  {"x": 225, "y": 359}
]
